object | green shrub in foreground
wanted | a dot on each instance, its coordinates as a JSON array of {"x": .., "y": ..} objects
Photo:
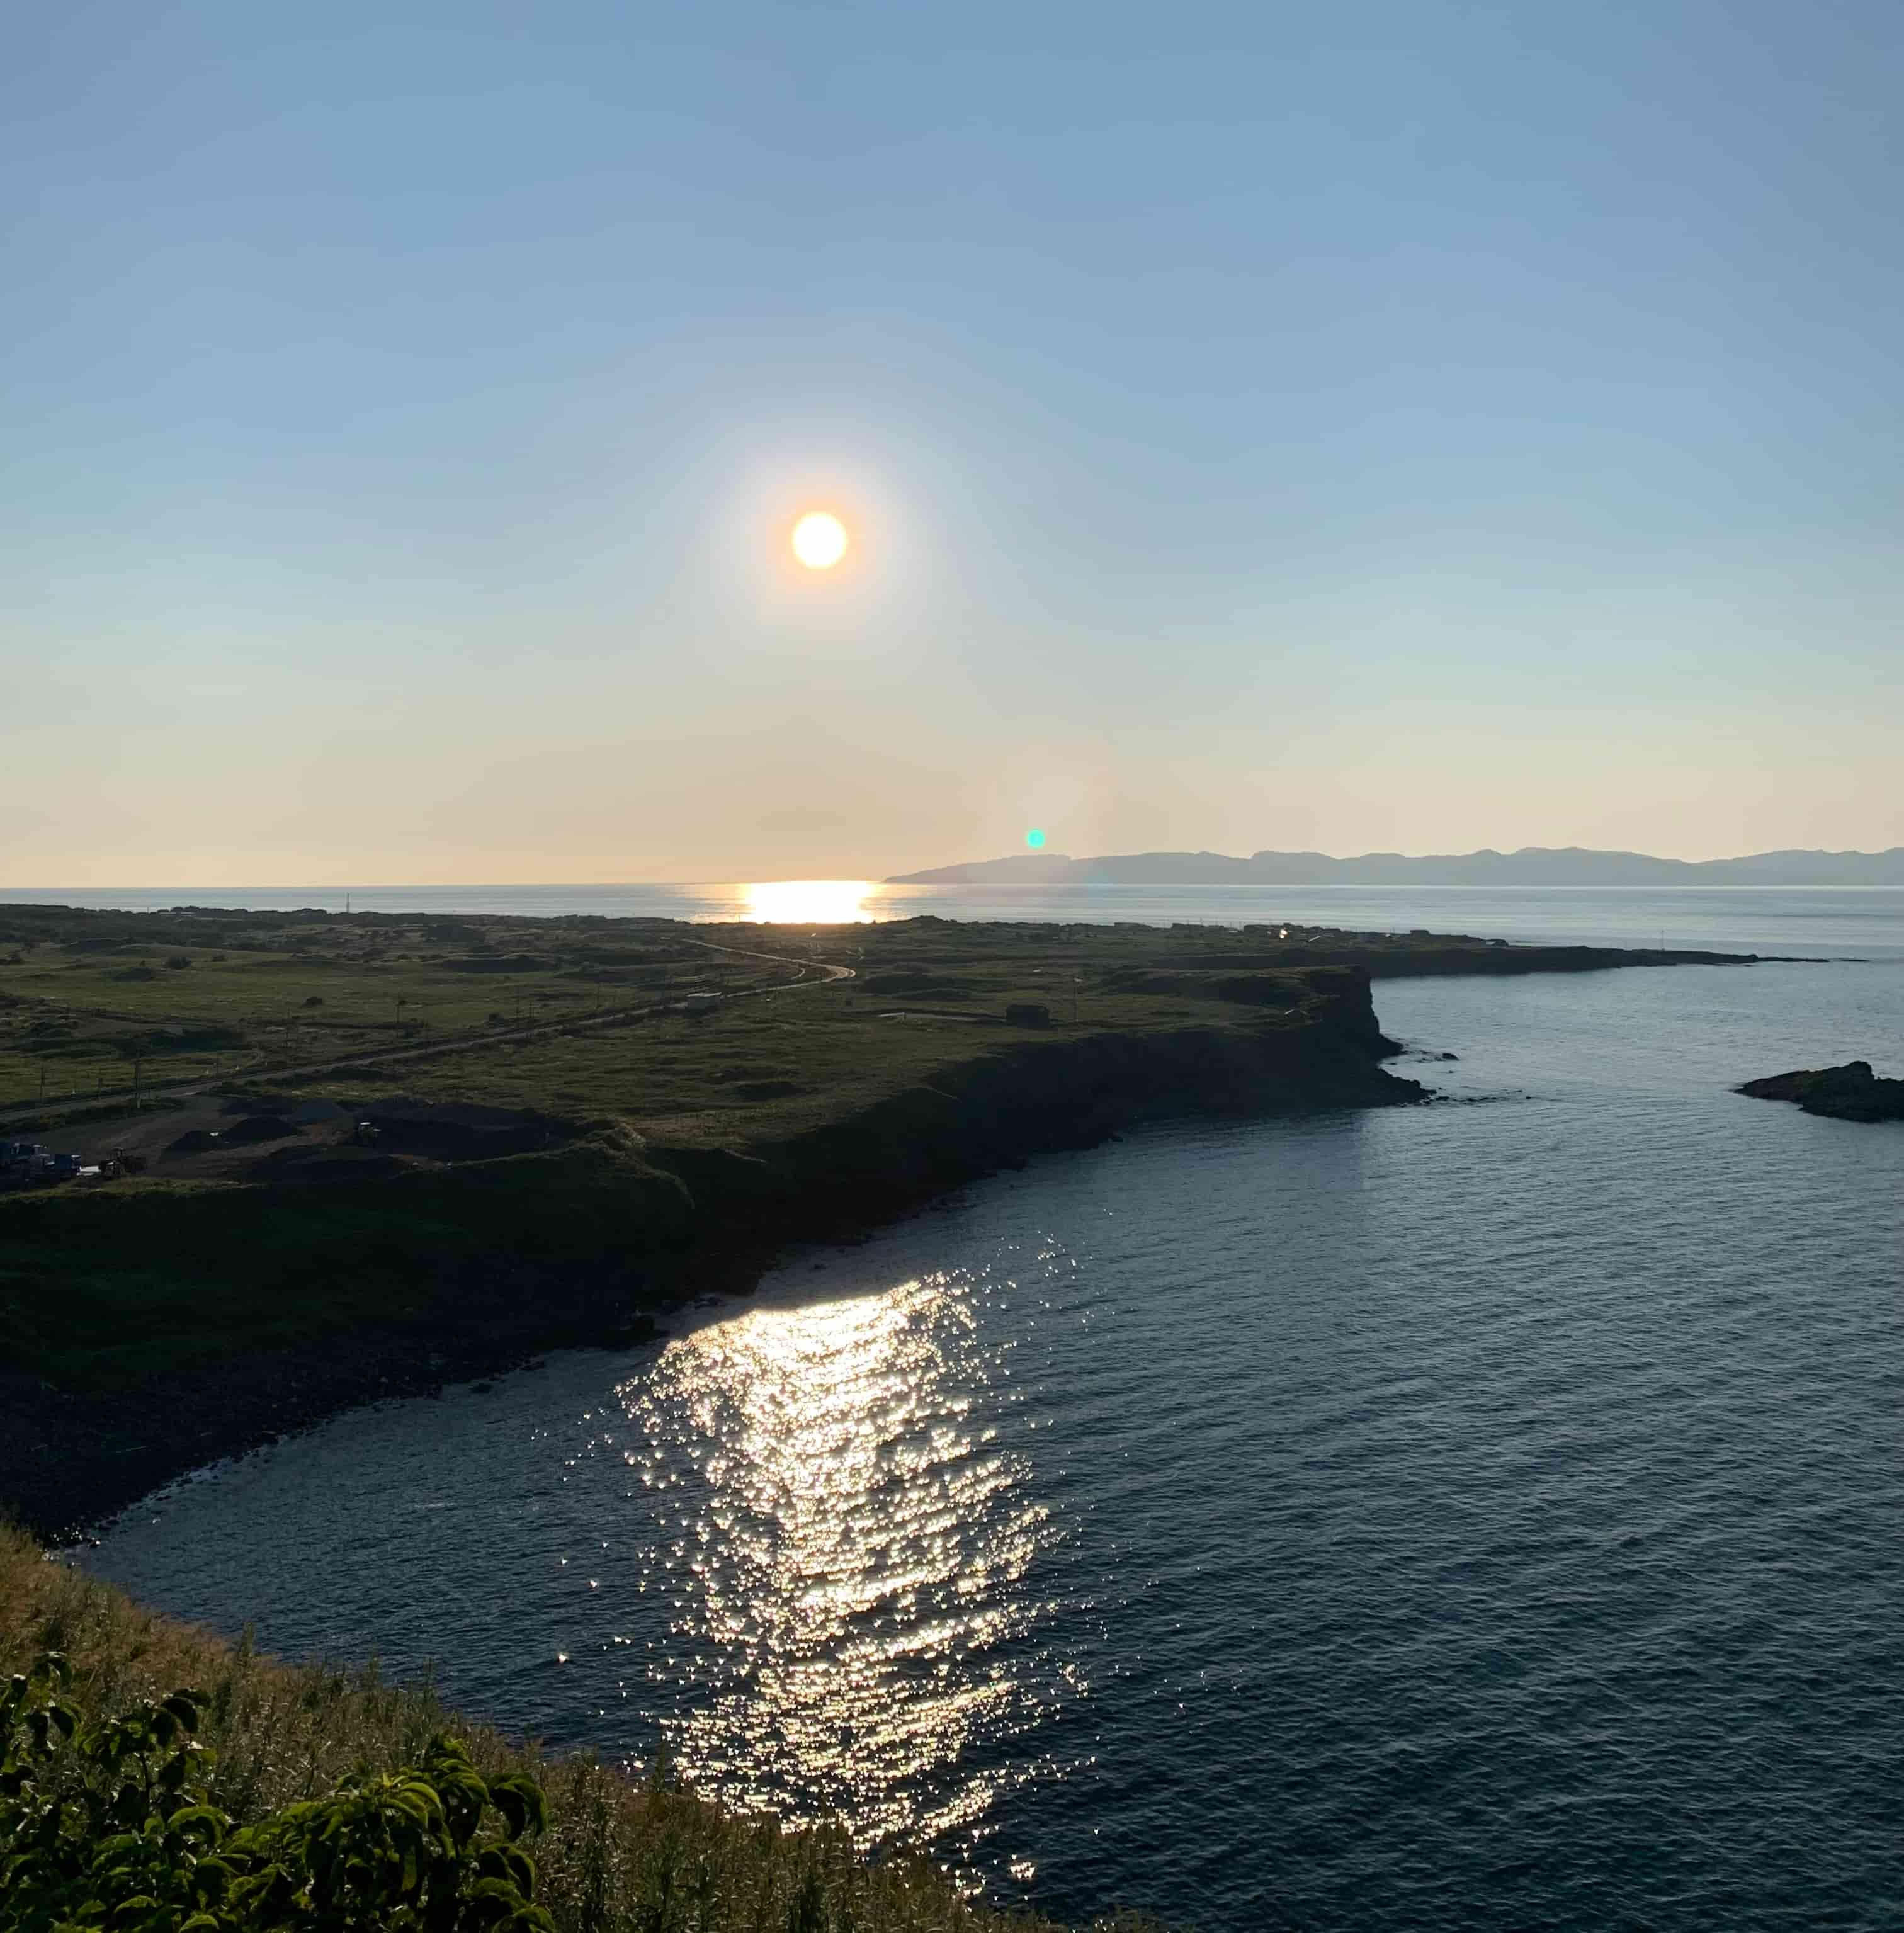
[
  {"x": 619, "y": 1855},
  {"x": 108, "y": 1826}
]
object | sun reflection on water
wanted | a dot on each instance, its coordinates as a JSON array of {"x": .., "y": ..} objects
[
  {"x": 809, "y": 902},
  {"x": 846, "y": 1544}
]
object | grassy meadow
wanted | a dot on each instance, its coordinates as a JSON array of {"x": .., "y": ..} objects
[
  {"x": 89, "y": 1001},
  {"x": 513, "y": 1011}
]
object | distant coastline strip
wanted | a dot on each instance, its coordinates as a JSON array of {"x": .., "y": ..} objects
[{"x": 1530, "y": 866}]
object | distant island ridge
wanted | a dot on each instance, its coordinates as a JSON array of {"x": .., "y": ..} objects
[{"x": 1531, "y": 866}]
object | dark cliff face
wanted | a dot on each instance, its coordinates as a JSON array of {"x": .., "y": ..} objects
[
  {"x": 1048, "y": 1094},
  {"x": 1852, "y": 1093}
]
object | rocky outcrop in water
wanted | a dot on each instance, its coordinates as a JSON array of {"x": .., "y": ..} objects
[{"x": 1852, "y": 1093}]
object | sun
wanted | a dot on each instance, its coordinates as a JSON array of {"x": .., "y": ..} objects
[{"x": 820, "y": 540}]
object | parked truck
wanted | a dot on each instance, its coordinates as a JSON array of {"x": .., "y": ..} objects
[{"x": 23, "y": 1162}]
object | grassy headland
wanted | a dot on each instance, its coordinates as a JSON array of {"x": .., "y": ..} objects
[{"x": 577, "y": 1120}]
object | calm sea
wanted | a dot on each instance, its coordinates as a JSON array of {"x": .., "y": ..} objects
[
  {"x": 1760, "y": 920},
  {"x": 1490, "y": 1515}
]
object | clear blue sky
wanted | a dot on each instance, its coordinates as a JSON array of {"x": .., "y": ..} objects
[{"x": 1403, "y": 425}]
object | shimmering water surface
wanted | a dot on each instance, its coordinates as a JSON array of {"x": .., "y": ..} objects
[{"x": 1488, "y": 1515}]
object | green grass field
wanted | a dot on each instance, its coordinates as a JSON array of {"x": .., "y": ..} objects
[{"x": 88, "y": 1002}]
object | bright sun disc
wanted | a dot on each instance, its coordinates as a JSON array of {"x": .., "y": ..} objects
[{"x": 820, "y": 540}]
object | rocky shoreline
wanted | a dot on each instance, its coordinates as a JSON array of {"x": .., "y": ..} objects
[
  {"x": 1852, "y": 1093},
  {"x": 700, "y": 1221}
]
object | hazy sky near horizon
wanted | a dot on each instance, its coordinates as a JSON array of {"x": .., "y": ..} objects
[{"x": 1411, "y": 425}]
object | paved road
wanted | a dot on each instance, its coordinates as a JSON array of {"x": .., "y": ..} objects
[{"x": 64, "y": 1104}]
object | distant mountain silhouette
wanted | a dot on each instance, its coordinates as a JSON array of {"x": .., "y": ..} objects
[{"x": 1531, "y": 866}]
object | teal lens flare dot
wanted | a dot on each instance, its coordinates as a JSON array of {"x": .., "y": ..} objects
[{"x": 1034, "y": 839}]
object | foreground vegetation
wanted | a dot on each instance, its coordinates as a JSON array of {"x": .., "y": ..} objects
[
  {"x": 609, "y": 1854},
  {"x": 109, "y": 1824}
]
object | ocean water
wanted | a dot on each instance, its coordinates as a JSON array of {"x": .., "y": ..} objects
[
  {"x": 1488, "y": 1515},
  {"x": 1700, "y": 917}
]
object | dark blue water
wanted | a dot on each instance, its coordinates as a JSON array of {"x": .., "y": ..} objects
[{"x": 1489, "y": 1515}]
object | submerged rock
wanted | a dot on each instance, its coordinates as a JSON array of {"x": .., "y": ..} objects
[{"x": 1852, "y": 1093}]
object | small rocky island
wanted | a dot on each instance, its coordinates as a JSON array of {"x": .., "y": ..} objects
[{"x": 1852, "y": 1093}]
